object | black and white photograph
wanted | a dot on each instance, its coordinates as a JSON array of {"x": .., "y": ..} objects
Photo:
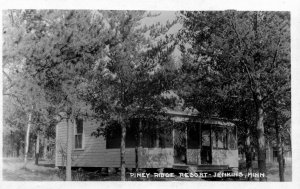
[{"x": 146, "y": 95}]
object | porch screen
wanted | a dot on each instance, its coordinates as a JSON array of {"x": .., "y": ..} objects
[
  {"x": 156, "y": 134},
  {"x": 193, "y": 136},
  {"x": 165, "y": 136},
  {"x": 113, "y": 137},
  {"x": 148, "y": 134},
  {"x": 132, "y": 134},
  {"x": 232, "y": 140},
  {"x": 219, "y": 137}
]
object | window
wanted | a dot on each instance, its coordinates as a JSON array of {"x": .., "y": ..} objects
[
  {"x": 219, "y": 138},
  {"x": 79, "y": 134}
]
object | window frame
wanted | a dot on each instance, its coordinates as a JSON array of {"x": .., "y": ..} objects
[{"x": 77, "y": 134}]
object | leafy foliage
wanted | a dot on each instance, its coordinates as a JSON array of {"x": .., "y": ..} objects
[
  {"x": 233, "y": 53},
  {"x": 236, "y": 60}
]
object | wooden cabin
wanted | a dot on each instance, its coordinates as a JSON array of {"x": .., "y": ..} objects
[{"x": 179, "y": 143}]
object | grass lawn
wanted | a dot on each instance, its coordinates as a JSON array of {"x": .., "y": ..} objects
[
  {"x": 272, "y": 171},
  {"x": 14, "y": 170}
]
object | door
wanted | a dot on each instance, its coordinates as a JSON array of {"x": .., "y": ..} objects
[
  {"x": 206, "y": 153},
  {"x": 180, "y": 144}
]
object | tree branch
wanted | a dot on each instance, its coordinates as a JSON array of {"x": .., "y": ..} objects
[
  {"x": 16, "y": 97},
  {"x": 275, "y": 54},
  {"x": 275, "y": 93},
  {"x": 238, "y": 35},
  {"x": 10, "y": 80}
]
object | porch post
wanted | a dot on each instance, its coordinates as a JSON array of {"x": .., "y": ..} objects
[
  {"x": 139, "y": 145},
  {"x": 200, "y": 144},
  {"x": 173, "y": 135},
  {"x": 211, "y": 144},
  {"x": 186, "y": 144},
  {"x": 140, "y": 134}
]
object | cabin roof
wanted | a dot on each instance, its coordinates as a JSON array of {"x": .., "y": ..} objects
[
  {"x": 193, "y": 115},
  {"x": 180, "y": 113}
]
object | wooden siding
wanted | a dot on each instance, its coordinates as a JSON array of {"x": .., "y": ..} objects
[
  {"x": 61, "y": 144},
  {"x": 193, "y": 156},
  {"x": 156, "y": 157},
  {"x": 94, "y": 152},
  {"x": 225, "y": 157}
]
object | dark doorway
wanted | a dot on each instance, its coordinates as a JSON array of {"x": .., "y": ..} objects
[
  {"x": 206, "y": 153},
  {"x": 180, "y": 144}
]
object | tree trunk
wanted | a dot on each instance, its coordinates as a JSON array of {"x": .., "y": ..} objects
[
  {"x": 260, "y": 118},
  {"x": 279, "y": 148},
  {"x": 18, "y": 148},
  {"x": 11, "y": 141},
  {"x": 157, "y": 136},
  {"x": 268, "y": 154},
  {"x": 248, "y": 153},
  {"x": 45, "y": 148},
  {"x": 123, "y": 165},
  {"x": 261, "y": 143},
  {"x": 37, "y": 148},
  {"x": 139, "y": 145},
  {"x": 27, "y": 139},
  {"x": 69, "y": 151}
]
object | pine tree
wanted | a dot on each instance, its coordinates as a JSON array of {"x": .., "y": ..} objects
[
  {"x": 239, "y": 55},
  {"x": 130, "y": 76}
]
